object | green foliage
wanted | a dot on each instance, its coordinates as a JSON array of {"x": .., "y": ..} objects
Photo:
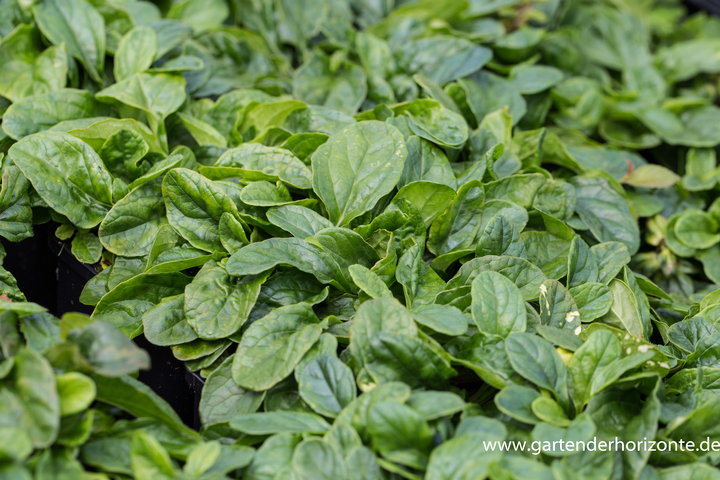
[{"x": 383, "y": 232}]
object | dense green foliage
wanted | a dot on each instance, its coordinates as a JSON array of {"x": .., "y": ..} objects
[{"x": 384, "y": 232}]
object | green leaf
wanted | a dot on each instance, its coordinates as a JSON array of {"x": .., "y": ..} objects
[
  {"x": 315, "y": 459},
  {"x": 457, "y": 227},
  {"x": 194, "y": 207},
  {"x": 537, "y": 361},
  {"x": 300, "y": 222},
  {"x": 342, "y": 89},
  {"x": 327, "y": 385},
  {"x": 497, "y": 304},
  {"x": 223, "y": 400},
  {"x": 623, "y": 313},
  {"x": 67, "y": 174},
  {"x": 87, "y": 248},
  {"x": 15, "y": 210},
  {"x": 139, "y": 400},
  {"x": 400, "y": 434},
  {"x": 253, "y": 162},
  {"x": 443, "y": 319},
  {"x": 593, "y": 300},
  {"x": 30, "y": 68},
  {"x": 157, "y": 95},
  {"x": 37, "y": 397},
  {"x": 500, "y": 238},
  {"x": 279, "y": 422},
  {"x": 135, "y": 53},
  {"x": 697, "y": 229},
  {"x": 435, "y": 123},
  {"x": 389, "y": 357},
  {"x": 149, "y": 459},
  {"x": 216, "y": 304},
  {"x": 272, "y": 346},
  {"x": 600, "y": 350},
  {"x": 76, "y": 392},
  {"x": 557, "y": 307},
  {"x": 125, "y": 305},
  {"x": 433, "y": 405},
  {"x": 652, "y": 176},
  {"x": 78, "y": 25},
  {"x": 262, "y": 256},
  {"x": 374, "y": 152},
  {"x": 582, "y": 266},
  {"x": 369, "y": 282},
  {"x": 431, "y": 199},
  {"x": 526, "y": 276},
  {"x": 107, "y": 351},
  {"x": 165, "y": 323},
  {"x": 606, "y": 212},
  {"x": 133, "y": 223}
]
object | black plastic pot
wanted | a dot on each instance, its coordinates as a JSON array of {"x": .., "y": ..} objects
[
  {"x": 711, "y": 6},
  {"x": 33, "y": 265}
]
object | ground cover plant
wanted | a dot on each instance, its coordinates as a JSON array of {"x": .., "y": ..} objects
[{"x": 383, "y": 232}]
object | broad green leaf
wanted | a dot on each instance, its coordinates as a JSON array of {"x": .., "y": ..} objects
[
  {"x": 592, "y": 299},
  {"x": 420, "y": 282},
  {"x": 315, "y": 459},
  {"x": 67, "y": 174},
  {"x": 125, "y": 305},
  {"x": 300, "y": 222},
  {"x": 434, "y": 404},
  {"x": 500, "y": 238},
  {"x": 374, "y": 152},
  {"x": 697, "y": 229},
  {"x": 136, "y": 52},
  {"x": 526, "y": 276},
  {"x": 252, "y": 162},
  {"x": 430, "y": 120},
  {"x": 327, "y": 385},
  {"x": 76, "y": 392},
  {"x": 78, "y": 25},
  {"x": 369, "y": 282},
  {"x": 443, "y": 319},
  {"x": 272, "y": 346},
  {"x": 606, "y": 212},
  {"x": 457, "y": 227},
  {"x": 133, "y": 223},
  {"x": 106, "y": 350},
  {"x": 623, "y": 313},
  {"x": 279, "y": 422},
  {"x": 342, "y": 89},
  {"x": 15, "y": 210},
  {"x": 582, "y": 266},
  {"x": 389, "y": 357},
  {"x": 400, "y": 434},
  {"x": 216, "y": 304},
  {"x": 37, "y": 397},
  {"x": 194, "y": 207},
  {"x": 203, "y": 133},
  {"x": 157, "y": 95},
  {"x": 29, "y": 68},
  {"x": 42, "y": 111},
  {"x": 86, "y": 247},
  {"x": 497, "y": 304},
  {"x": 223, "y": 400},
  {"x": 600, "y": 350},
  {"x": 139, "y": 400},
  {"x": 557, "y": 307},
  {"x": 165, "y": 323},
  {"x": 537, "y": 361},
  {"x": 431, "y": 199}
]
